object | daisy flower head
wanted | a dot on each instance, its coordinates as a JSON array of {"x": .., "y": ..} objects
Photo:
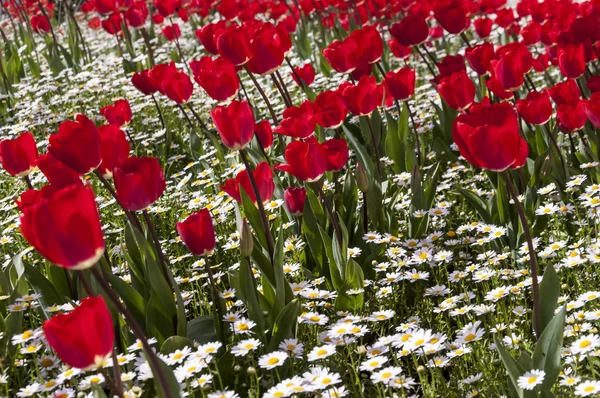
[{"x": 531, "y": 379}]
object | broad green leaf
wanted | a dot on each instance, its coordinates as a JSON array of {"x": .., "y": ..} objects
[
  {"x": 202, "y": 330},
  {"x": 285, "y": 324},
  {"x": 546, "y": 355},
  {"x": 514, "y": 369},
  {"x": 174, "y": 343},
  {"x": 549, "y": 292}
]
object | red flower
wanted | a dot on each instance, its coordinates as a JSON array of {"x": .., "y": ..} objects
[
  {"x": 336, "y": 154},
  {"x": 112, "y": 24},
  {"x": 361, "y": 99},
  {"x": 483, "y": 27},
  {"x": 84, "y": 337},
  {"x": 480, "y": 56},
  {"x": 305, "y": 160},
  {"x": 157, "y": 19},
  {"x": 137, "y": 14},
  {"x": 401, "y": 84},
  {"x": 264, "y": 133},
  {"x": 571, "y": 61},
  {"x": 64, "y": 226},
  {"x": 489, "y": 138},
  {"x": 169, "y": 81},
  {"x": 370, "y": 45},
  {"x": 452, "y": 17},
  {"x": 342, "y": 55},
  {"x": 235, "y": 123},
  {"x": 77, "y": 145},
  {"x": 171, "y": 32},
  {"x": 106, "y": 6},
  {"x": 217, "y": 77},
  {"x": 535, "y": 108},
  {"x": 566, "y": 92},
  {"x": 457, "y": 90},
  {"x": 207, "y": 34},
  {"x": 234, "y": 46},
  {"x": 398, "y": 49},
  {"x": 118, "y": 114},
  {"x": 18, "y": 156},
  {"x": 115, "y": 149},
  {"x": 592, "y": 109},
  {"x": 266, "y": 48},
  {"x": 410, "y": 31},
  {"x": 166, "y": 8},
  {"x": 450, "y": 65},
  {"x": 58, "y": 173},
  {"x": 306, "y": 73},
  {"x": 494, "y": 86},
  {"x": 40, "y": 23},
  {"x": 139, "y": 182},
  {"x": 572, "y": 116},
  {"x": 508, "y": 71},
  {"x": 198, "y": 233},
  {"x": 593, "y": 84},
  {"x": 142, "y": 82},
  {"x": 264, "y": 181},
  {"x": 330, "y": 110},
  {"x": 294, "y": 199}
]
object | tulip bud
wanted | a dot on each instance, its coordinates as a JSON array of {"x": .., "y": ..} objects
[
  {"x": 362, "y": 180},
  {"x": 246, "y": 240}
]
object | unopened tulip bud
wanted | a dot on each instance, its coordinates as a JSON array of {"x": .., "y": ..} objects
[
  {"x": 246, "y": 240},
  {"x": 362, "y": 180}
]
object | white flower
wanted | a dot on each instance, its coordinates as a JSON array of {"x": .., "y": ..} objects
[
  {"x": 531, "y": 379},
  {"x": 272, "y": 360},
  {"x": 587, "y": 388},
  {"x": 374, "y": 363},
  {"x": 321, "y": 352},
  {"x": 585, "y": 344}
]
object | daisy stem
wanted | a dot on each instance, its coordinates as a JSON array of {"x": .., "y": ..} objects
[{"x": 532, "y": 257}]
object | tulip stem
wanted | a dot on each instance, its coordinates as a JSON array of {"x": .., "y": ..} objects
[
  {"x": 417, "y": 142},
  {"x": 216, "y": 301},
  {"x": 380, "y": 68},
  {"x": 197, "y": 117},
  {"x": 161, "y": 255},
  {"x": 336, "y": 227},
  {"x": 146, "y": 38},
  {"x": 280, "y": 89},
  {"x": 130, "y": 215},
  {"x": 300, "y": 80},
  {"x": 532, "y": 256},
  {"x": 263, "y": 95},
  {"x": 287, "y": 93},
  {"x": 424, "y": 60},
  {"x": 261, "y": 207},
  {"x": 136, "y": 329},
  {"x": 365, "y": 213},
  {"x": 465, "y": 38},
  {"x": 28, "y": 182},
  {"x": 560, "y": 155},
  {"x": 376, "y": 147}
]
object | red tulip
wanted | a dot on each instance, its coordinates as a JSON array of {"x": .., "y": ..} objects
[
  {"x": 330, "y": 110},
  {"x": 18, "y": 156},
  {"x": 171, "y": 32},
  {"x": 139, "y": 182},
  {"x": 370, "y": 44},
  {"x": 294, "y": 199},
  {"x": 536, "y": 108},
  {"x": 264, "y": 133},
  {"x": 118, "y": 114},
  {"x": 572, "y": 116},
  {"x": 40, "y": 24},
  {"x": 298, "y": 122},
  {"x": 457, "y": 90},
  {"x": 115, "y": 149},
  {"x": 480, "y": 56},
  {"x": 450, "y": 65},
  {"x": 343, "y": 56},
  {"x": 362, "y": 69},
  {"x": 521, "y": 55},
  {"x": 452, "y": 17},
  {"x": 264, "y": 181},
  {"x": 266, "y": 48},
  {"x": 64, "y": 226},
  {"x": 361, "y": 99},
  {"x": 488, "y": 137},
  {"x": 142, "y": 82},
  {"x": 198, "y": 233},
  {"x": 157, "y": 19},
  {"x": 336, "y": 154},
  {"x": 398, "y": 49},
  {"x": 137, "y": 14},
  {"x": 571, "y": 61},
  {"x": 494, "y": 86},
  {"x": 166, "y": 8},
  {"x": 83, "y": 338},
  {"x": 401, "y": 84},
  {"x": 566, "y": 92},
  {"x": 207, "y": 34},
  {"x": 57, "y": 173},
  {"x": 178, "y": 87},
  {"x": 234, "y": 46},
  {"x": 161, "y": 73},
  {"x": 77, "y": 145},
  {"x": 508, "y": 71},
  {"x": 106, "y": 6},
  {"x": 235, "y": 123},
  {"x": 410, "y": 31},
  {"x": 592, "y": 109},
  {"x": 305, "y": 160},
  {"x": 483, "y": 27},
  {"x": 593, "y": 84},
  {"x": 112, "y": 24},
  {"x": 217, "y": 77},
  {"x": 306, "y": 73}
]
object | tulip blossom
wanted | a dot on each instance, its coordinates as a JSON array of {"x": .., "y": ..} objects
[
  {"x": 452, "y": 17},
  {"x": 488, "y": 137},
  {"x": 336, "y": 154},
  {"x": 457, "y": 90},
  {"x": 342, "y": 55},
  {"x": 118, "y": 114},
  {"x": 592, "y": 109},
  {"x": 139, "y": 182},
  {"x": 294, "y": 199},
  {"x": 137, "y": 14},
  {"x": 401, "y": 84},
  {"x": 264, "y": 181},
  {"x": 217, "y": 77},
  {"x": 398, "y": 49},
  {"x": 40, "y": 24},
  {"x": 264, "y": 133},
  {"x": 566, "y": 92},
  {"x": 234, "y": 46},
  {"x": 480, "y": 56},
  {"x": 306, "y": 73},
  {"x": 572, "y": 116},
  {"x": 362, "y": 99},
  {"x": 58, "y": 173},
  {"x": 412, "y": 30},
  {"x": 483, "y": 27},
  {"x": 267, "y": 49},
  {"x": 77, "y": 145},
  {"x": 198, "y": 233},
  {"x": 450, "y": 65},
  {"x": 208, "y": 33},
  {"x": 536, "y": 108},
  {"x": 235, "y": 124},
  {"x": 370, "y": 44},
  {"x": 83, "y": 338},
  {"x": 330, "y": 111},
  {"x": 142, "y": 82},
  {"x": 508, "y": 71},
  {"x": 298, "y": 122},
  {"x": 18, "y": 156},
  {"x": 64, "y": 227},
  {"x": 571, "y": 61},
  {"x": 306, "y": 160},
  {"x": 115, "y": 149}
]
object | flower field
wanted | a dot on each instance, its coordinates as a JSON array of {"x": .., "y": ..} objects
[{"x": 304, "y": 198}]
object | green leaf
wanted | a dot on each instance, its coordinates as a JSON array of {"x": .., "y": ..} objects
[
  {"x": 158, "y": 323},
  {"x": 174, "y": 343},
  {"x": 172, "y": 384},
  {"x": 249, "y": 295},
  {"x": 202, "y": 329},
  {"x": 546, "y": 355},
  {"x": 285, "y": 324},
  {"x": 549, "y": 292},
  {"x": 477, "y": 203},
  {"x": 253, "y": 216},
  {"x": 132, "y": 299},
  {"x": 514, "y": 369}
]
